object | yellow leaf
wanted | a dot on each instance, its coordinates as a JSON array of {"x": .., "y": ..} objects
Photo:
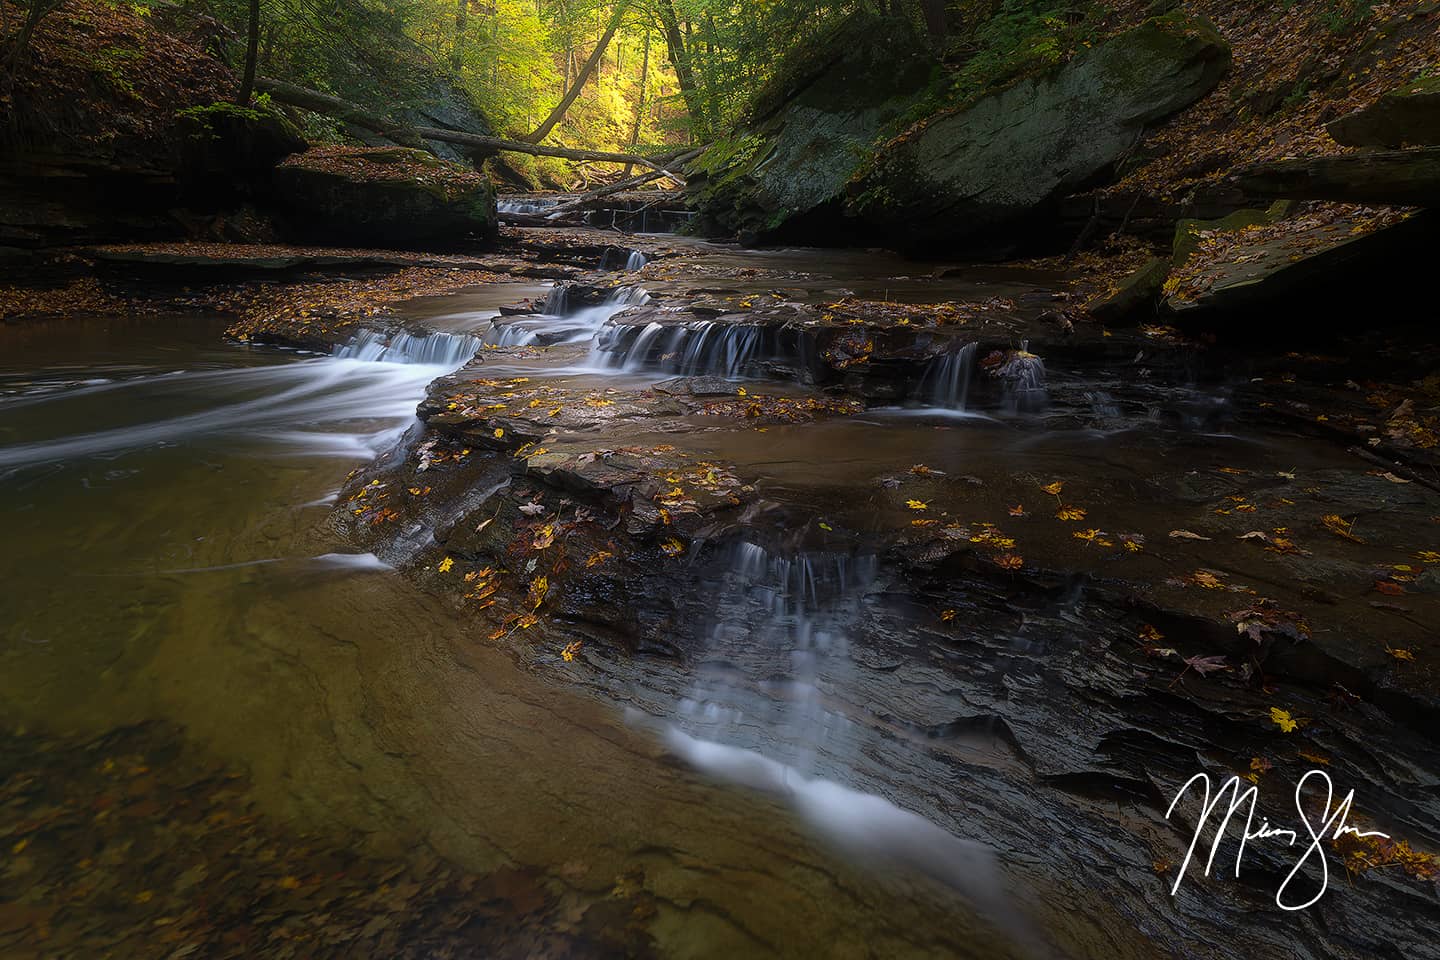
[
  {"x": 499, "y": 432},
  {"x": 1054, "y": 488},
  {"x": 1070, "y": 513},
  {"x": 1282, "y": 719},
  {"x": 672, "y": 548},
  {"x": 917, "y": 504},
  {"x": 571, "y": 650},
  {"x": 446, "y": 564},
  {"x": 289, "y": 883},
  {"x": 947, "y": 615},
  {"x": 538, "y": 588},
  {"x": 1400, "y": 653}
]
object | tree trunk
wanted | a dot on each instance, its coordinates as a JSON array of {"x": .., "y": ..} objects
[
  {"x": 556, "y": 115},
  {"x": 414, "y": 136},
  {"x": 934, "y": 11},
  {"x": 252, "y": 53},
  {"x": 680, "y": 60},
  {"x": 462, "y": 18},
  {"x": 640, "y": 105}
]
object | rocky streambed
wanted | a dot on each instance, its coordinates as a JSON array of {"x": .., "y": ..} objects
[{"x": 917, "y": 562}]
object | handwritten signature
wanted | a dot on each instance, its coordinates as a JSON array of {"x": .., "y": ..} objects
[{"x": 1331, "y": 826}]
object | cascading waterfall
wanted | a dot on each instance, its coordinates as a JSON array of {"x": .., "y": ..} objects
[
  {"x": 946, "y": 382},
  {"x": 635, "y": 261},
  {"x": 704, "y": 348},
  {"x": 525, "y": 207},
  {"x": 432, "y": 349},
  {"x": 559, "y": 324},
  {"x": 1023, "y": 375},
  {"x": 762, "y": 719}
]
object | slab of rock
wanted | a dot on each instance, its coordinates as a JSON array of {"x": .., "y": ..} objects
[
  {"x": 1408, "y": 116},
  {"x": 1403, "y": 177},
  {"x": 1135, "y": 298},
  {"x": 388, "y": 197},
  {"x": 1001, "y": 159},
  {"x": 812, "y": 126}
]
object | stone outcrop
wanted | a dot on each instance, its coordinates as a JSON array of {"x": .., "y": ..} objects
[
  {"x": 997, "y": 161},
  {"x": 386, "y": 197},
  {"x": 1404, "y": 177},
  {"x": 783, "y": 172},
  {"x": 1408, "y": 116}
]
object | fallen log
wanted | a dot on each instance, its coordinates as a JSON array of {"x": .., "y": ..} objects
[
  {"x": 585, "y": 199},
  {"x": 317, "y": 102}
]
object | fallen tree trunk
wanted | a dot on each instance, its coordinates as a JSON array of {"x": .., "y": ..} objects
[
  {"x": 317, "y": 102},
  {"x": 585, "y": 199}
]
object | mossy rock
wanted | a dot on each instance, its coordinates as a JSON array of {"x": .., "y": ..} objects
[
  {"x": 1407, "y": 116},
  {"x": 809, "y": 130},
  {"x": 222, "y": 138},
  {"x": 994, "y": 163},
  {"x": 384, "y": 197}
]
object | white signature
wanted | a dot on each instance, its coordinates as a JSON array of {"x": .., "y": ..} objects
[{"x": 1331, "y": 826}]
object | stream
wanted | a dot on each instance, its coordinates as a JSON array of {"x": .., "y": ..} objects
[{"x": 810, "y": 766}]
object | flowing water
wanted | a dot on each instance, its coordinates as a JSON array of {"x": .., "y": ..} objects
[{"x": 164, "y": 497}]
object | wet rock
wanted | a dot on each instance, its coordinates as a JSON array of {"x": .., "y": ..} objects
[
  {"x": 784, "y": 174},
  {"x": 1404, "y": 177},
  {"x": 1135, "y": 299},
  {"x": 224, "y": 140},
  {"x": 1408, "y": 116},
  {"x": 388, "y": 197},
  {"x": 1013, "y": 154}
]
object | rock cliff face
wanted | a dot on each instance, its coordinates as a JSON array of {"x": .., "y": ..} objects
[
  {"x": 1000, "y": 160},
  {"x": 784, "y": 174},
  {"x": 386, "y": 196}
]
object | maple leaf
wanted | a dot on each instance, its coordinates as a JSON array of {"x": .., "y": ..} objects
[
  {"x": 532, "y": 509},
  {"x": 1283, "y": 720},
  {"x": 1018, "y": 510},
  {"x": 1400, "y": 653},
  {"x": 947, "y": 615},
  {"x": 499, "y": 432},
  {"x": 1149, "y": 632},
  {"x": 1206, "y": 579},
  {"x": 920, "y": 469},
  {"x": 446, "y": 564},
  {"x": 1054, "y": 488},
  {"x": 1204, "y": 665},
  {"x": 1070, "y": 513},
  {"x": 1009, "y": 561},
  {"x": 544, "y": 537},
  {"x": 1186, "y": 535},
  {"x": 672, "y": 547},
  {"x": 917, "y": 504},
  {"x": 538, "y": 589},
  {"x": 1428, "y": 556},
  {"x": 597, "y": 558},
  {"x": 571, "y": 650}
]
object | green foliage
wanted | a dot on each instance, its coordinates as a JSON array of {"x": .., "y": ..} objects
[
  {"x": 1024, "y": 36},
  {"x": 1340, "y": 16}
]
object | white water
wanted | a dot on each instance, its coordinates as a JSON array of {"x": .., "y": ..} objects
[
  {"x": 704, "y": 348},
  {"x": 946, "y": 382},
  {"x": 559, "y": 324},
  {"x": 354, "y": 404}
]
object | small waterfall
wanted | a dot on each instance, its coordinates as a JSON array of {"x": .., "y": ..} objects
[
  {"x": 702, "y": 349},
  {"x": 1023, "y": 374},
  {"x": 433, "y": 349},
  {"x": 946, "y": 382},
  {"x": 780, "y": 630},
  {"x": 557, "y": 301},
  {"x": 559, "y": 324},
  {"x": 635, "y": 261},
  {"x": 526, "y": 207}
]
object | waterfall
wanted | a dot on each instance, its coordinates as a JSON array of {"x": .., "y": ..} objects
[
  {"x": 433, "y": 349},
  {"x": 635, "y": 261},
  {"x": 946, "y": 381},
  {"x": 556, "y": 301},
  {"x": 525, "y": 207},
  {"x": 1023, "y": 375},
  {"x": 701, "y": 349},
  {"x": 559, "y": 324}
]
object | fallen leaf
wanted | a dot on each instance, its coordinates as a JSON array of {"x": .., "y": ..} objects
[
  {"x": 1054, "y": 488},
  {"x": 917, "y": 504},
  {"x": 446, "y": 564},
  {"x": 1186, "y": 535},
  {"x": 1070, "y": 513},
  {"x": 1282, "y": 719}
]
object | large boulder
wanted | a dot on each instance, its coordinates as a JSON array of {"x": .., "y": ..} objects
[
  {"x": 383, "y": 196},
  {"x": 1402, "y": 177},
  {"x": 994, "y": 162},
  {"x": 784, "y": 173},
  {"x": 1409, "y": 116}
]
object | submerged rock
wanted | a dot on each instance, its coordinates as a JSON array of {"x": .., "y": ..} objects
[
  {"x": 1409, "y": 116},
  {"x": 1007, "y": 156},
  {"x": 389, "y": 197},
  {"x": 784, "y": 172}
]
